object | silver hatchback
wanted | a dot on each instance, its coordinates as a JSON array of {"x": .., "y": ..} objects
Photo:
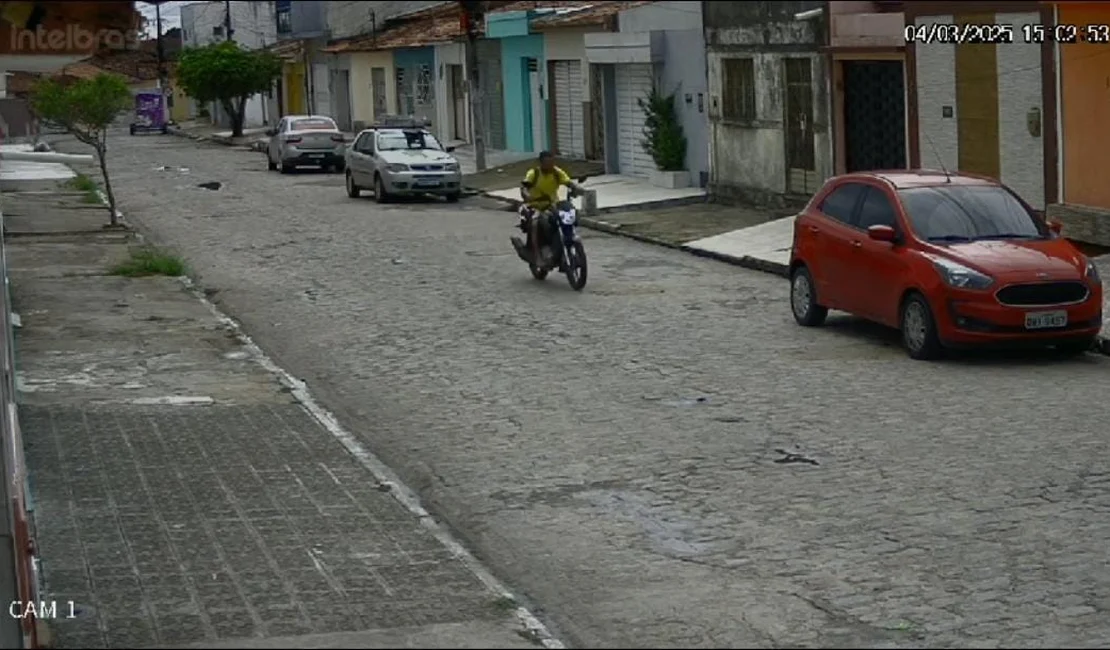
[{"x": 394, "y": 161}]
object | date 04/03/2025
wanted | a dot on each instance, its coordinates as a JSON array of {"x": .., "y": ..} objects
[{"x": 993, "y": 33}]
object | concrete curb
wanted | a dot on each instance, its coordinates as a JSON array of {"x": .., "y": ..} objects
[
  {"x": 666, "y": 203},
  {"x": 746, "y": 261}
]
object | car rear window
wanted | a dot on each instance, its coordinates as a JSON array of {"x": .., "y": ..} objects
[
  {"x": 969, "y": 212},
  {"x": 313, "y": 124}
]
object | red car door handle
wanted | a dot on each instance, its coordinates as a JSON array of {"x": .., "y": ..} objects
[{"x": 857, "y": 243}]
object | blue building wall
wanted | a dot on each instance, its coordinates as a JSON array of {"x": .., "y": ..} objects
[
  {"x": 517, "y": 46},
  {"x": 515, "y": 51},
  {"x": 411, "y": 59}
]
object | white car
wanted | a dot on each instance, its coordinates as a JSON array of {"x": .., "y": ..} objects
[
  {"x": 401, "y": 161},
  {"x": 304, "y": 141}
]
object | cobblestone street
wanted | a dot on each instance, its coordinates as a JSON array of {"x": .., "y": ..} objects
[{"x": 623, "y": 456}]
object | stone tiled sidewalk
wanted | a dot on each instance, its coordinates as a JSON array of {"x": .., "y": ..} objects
[{"x": 211, "y": 523}]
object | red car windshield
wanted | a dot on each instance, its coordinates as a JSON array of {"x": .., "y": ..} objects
[
  {"x": 966, "y": 213},
  {"x": 313, "y": 124}
]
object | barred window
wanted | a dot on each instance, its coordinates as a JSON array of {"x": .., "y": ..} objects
[{"x": 738, "y": 89}]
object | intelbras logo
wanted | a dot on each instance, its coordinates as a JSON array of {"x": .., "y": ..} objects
[{"x": 30, "y": 32}]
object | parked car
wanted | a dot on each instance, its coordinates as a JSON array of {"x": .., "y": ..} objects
[
  {"x": 306, "y": 141},
  {"x": 950, "y": 259},
  {"x": 399, "y": 161}
]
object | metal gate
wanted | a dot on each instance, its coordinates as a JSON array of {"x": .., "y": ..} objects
[
  {"x": 801, "y": 175},
  {"x": 489, "y": 81},
  {"x": 424, "y": 93},
  {"x": 634, "y": 83},
  {"x": 874, "y": 115},
  {"x": 377, "y": 90},
  {"x": 570, "y": 132}
]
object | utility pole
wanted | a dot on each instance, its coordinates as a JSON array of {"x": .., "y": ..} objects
[
  {"x": 473, "y": 13},
  {"x": 161, "y": 60},
  {"x": 227, "y": 20}
]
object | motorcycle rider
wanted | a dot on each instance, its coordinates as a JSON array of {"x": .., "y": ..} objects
[{"x": 540, "y": 191}]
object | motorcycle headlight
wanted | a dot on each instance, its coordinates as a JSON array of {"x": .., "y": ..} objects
[
  {"x": 961, "y": 277},
  {"x": 1092, "y": 273},
  {"x": 397, "y": 167},
  {"x": 568, "y": 217}
]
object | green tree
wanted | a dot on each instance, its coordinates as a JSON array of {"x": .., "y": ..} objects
[
  {"x": 85, "y": 108},
  {"x": 226, "y": 73},
  {"x": 664, "y": 140}
]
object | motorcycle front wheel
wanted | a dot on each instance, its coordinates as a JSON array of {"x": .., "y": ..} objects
[{"x": 576, "y": 266}]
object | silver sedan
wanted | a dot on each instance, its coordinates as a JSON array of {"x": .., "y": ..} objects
[{"x": 306, "y": 141}]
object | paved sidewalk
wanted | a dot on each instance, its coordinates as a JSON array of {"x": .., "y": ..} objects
[{"x": 182, "y": 495}]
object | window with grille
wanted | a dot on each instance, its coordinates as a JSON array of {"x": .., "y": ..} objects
[
  {"x": 404, "y": 93},
  {"x": 424, "y": 85},
  {"x": 738, "y": 89}
]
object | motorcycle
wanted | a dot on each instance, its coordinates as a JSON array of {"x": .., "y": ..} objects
[{"x": 566, "y": 252}]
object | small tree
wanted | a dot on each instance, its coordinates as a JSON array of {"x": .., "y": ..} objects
[
  {"x": 664, "y": 139},
  {"x": 226, "y": 73},
  {"x": 85, "y": 108}
]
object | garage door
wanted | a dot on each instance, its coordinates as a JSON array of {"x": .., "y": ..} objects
[
  {"x": 634, "y": 82},
  {"x": 570, "y": 127}
]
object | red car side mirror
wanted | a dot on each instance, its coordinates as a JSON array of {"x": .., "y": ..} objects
[
  {"x": 882, "y": 233},
  {"x": 1055, "y": 226}
]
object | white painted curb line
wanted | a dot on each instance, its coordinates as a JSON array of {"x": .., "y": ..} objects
[{"x": 533, "y": 628}]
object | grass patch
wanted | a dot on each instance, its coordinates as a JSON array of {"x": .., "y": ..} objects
[
  {"x": 82, "y": 183},
  {"x": 149, "y": 261}
]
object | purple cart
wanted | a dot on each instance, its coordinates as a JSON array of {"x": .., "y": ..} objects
[{"x": 150, "y": 116}]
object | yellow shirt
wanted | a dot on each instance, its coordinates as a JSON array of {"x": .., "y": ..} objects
[{"x": 544, "y": 188}]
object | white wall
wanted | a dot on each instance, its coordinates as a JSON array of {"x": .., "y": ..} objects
[
  {"x": 1019, "y": 90},
  {"x": 345, "y": 19},
  {"x": 1021, "y": 155},
  {"x": 936, "y": 88},
  {"x": 662, "y": 15},
  {"x": 253, "y": 27},
  {"x": 252, "y": 23}
]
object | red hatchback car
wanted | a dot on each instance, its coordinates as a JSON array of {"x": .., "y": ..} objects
[{"x": 951, "y": 260}]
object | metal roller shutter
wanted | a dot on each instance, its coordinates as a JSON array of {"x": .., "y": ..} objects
[
  {"x": 634, "y": 82},
  {"x": 570, "y": 127}
]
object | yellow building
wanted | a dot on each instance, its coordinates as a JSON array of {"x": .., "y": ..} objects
[{"x": 293, "y": 77}]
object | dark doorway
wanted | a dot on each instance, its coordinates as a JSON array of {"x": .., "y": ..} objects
[{"x": 874, "y": 115}]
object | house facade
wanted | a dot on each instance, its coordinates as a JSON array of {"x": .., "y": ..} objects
[
  {"x": 523, "y": 83},
  {"x": 653, "y": 46},
  {"x": 252, "y": 27},
  {"x": 1082, "y": 202},
  {"x": 770, "y": 134},
  {"x": 305, "y": 78},
  {"x": 985, "y": 108},
  {"x": 867, "y": 63}
]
